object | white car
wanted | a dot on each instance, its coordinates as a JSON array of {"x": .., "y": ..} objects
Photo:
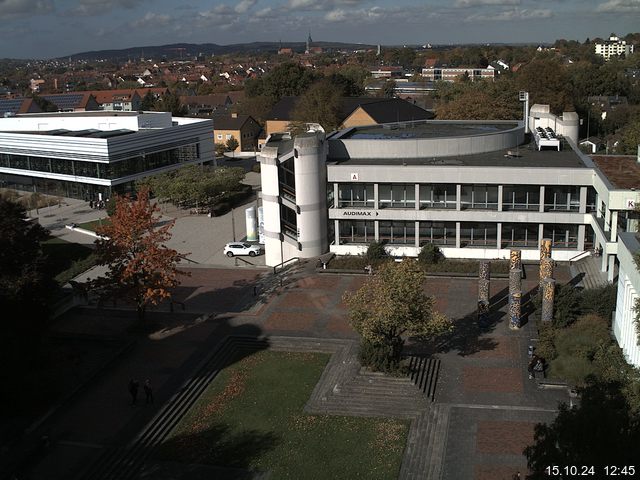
[{"x": 238, "y": 248}]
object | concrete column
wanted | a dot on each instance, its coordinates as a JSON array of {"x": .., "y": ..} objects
[
  {"x": 457, "y": 234},
  {"x": 375, "y": 200},
  {"x": 484, "y": 279},
  {"x": 614, "y": 225},
  {"x": 541, "y": 209},
  {"x": 499, "y": 235},
  {"x": 612, "y": 264},
  {"x": 540, "y": 233},
  {"x": 598, "y": 202},
  {"x": 603, "y": 261},
  {"x": 546, "y": 270},
  {"x": 515, "y": 310},
  {"x": 336, "y": 232},
  {"x": 500, "y": 189},
  {"x": 545, "y": 248},
  {"x": 417, "y": 229},
  {"x": 376, "y": 229},
  {"x": 336, "y": 201},
  {"x": 417, "y": 196},
  {"x": 607, "y": 219},
  {"x": 548, "y": 294},
  {"x": 458, "y": 197},
  {"x": 515, "y": 260},
  {"x": 581, "y": 235},
  {"x": 583, "y": 200}
]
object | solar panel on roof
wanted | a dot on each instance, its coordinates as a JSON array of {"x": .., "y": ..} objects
[
  {"x": 10, "y": 105},
  {"x": 66, "y": 101}
]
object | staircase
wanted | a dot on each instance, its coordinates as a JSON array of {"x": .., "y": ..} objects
[
  {"x": 588, "y": 269},
  {"x": 423, "y": 372}
]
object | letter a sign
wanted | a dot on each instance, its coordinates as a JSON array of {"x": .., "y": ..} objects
[{"x": 354, "y": 177}]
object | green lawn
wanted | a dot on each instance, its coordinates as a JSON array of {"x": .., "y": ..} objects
[
  {"x": 66, "y": 260},
  {"x": 251, "y": 417},
  {"x": 93, "y": 225}
]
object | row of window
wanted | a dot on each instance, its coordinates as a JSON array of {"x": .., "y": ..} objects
[
  {"x": 471, "y": 234},
  {"x": 119, "y": 169},
  {"x": 444, "y": 196}
]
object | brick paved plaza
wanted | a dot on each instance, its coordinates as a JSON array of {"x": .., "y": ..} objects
[{"x": 492, "y": 405}]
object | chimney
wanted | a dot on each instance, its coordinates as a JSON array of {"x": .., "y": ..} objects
[{"x": 234, "y": 115}]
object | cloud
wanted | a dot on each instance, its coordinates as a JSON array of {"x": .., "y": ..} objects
[
  {"x": 482, "y": 3},
  {"x": 90, "y": 8},
  {"x": 152, "y": 20},
  {"x": 619, "y": 6},
  {"x": 244, "y": 5},
  {"x": 323, "y": 5},
  {"x": 510, "y": 15},
  {"x": 24, "y": 8},
  {"x": 267, "y": 12}
]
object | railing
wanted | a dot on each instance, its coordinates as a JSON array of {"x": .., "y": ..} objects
[
  {"x": 281, "y": 265},
  {"x": 580, "y": 256}
]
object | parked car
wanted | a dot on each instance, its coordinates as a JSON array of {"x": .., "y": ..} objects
[{"x": 239, "y": 248}]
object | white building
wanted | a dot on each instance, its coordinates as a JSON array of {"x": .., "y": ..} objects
[
  {"x": 624, "y": 326},
  {"x": 451, "y": 74},
  {"x": 613, "y": 47},
  {"x": 93, "y": 154}
]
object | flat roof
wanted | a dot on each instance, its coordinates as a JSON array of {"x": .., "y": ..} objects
[
  {"x": 623, "y": 171},
  {"x": 89, "y": 132},
  {"x": 526, "y": 155},
  {"x": 428, "y": 129}
]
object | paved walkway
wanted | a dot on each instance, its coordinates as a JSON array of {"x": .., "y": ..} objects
[{"x": 485, "y": 407}]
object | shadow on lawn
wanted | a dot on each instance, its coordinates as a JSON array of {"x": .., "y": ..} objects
[{"x": 219, "y": 446}]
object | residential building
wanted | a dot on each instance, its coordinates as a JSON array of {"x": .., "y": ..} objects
[
  {"x": 241, "y": 127},
  {"x": 91, "y": 155},
  {"x": 355, "y": 111},
  {"x": 123, "y": 100},
  {"x": 206, "y": 105},
  {"x": 614, "y": 47},
  {"x": 450, "y": 74},
  {"x": 73, "y": 101}
]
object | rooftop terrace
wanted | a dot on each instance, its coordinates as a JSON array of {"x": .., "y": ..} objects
[{"x": 623, "y": 171}]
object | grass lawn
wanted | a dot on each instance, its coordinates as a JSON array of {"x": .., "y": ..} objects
[
  {"x": 66, "y": 260},
  {"x": 93, "y": 225},
  {"x": 251, "y": 417}
]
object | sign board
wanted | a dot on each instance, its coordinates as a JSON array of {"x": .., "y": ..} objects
[{"x": 354, "y": 177}]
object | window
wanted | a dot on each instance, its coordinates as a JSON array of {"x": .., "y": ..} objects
[
  {"x": 355, "y": 195},
  {"x": 521, "y": 197},
  {"x": 478, "y": 234},
  {"x": 438, "y": 233},
  {"x": 442, "y": 195},
  {"x": 520, "y": 235},
  {"x": 219, "y": 136},
  {"x": 228, "y": 136},
  {"x": 562, "y": 236},
  {"x": 289, "y": 222},
  {"x": 566, "y": 198},
  {"x": 356, "y": 231},
  {"x": 396, "y": 195},
  {"x": 399, "y": 233},
  {"x": 482, "y": 197},
  {"x": 286, "y": 177}
]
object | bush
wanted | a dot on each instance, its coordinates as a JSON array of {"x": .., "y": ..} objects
[
  {"x": 577, "y": 347},
  {"x": 381, "y": 357},
  {"x": 376, "y": 251},
  {"x": 220, "y": 209},
  {"x": 256, "y": 168},
  {"x": 429, "y": 254},
  {"x": 601, "y": 301},
  {"x": 545, "y": 347}
]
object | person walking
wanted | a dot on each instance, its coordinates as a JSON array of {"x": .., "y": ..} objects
[
  {"x": 148, "y": 391},
  {"x": 133, "y": 390}
]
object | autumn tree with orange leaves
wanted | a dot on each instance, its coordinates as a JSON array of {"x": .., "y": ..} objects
[{"x": 140, "y": 267}]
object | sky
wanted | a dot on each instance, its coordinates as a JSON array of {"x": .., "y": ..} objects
[{"x": 56, "y": 28}]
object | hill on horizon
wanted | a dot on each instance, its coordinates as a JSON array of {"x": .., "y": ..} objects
[{"x": 176, "y": 51}]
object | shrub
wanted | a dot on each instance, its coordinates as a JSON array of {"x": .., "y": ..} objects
[
  {"x": 429, "y": 254},
  {"x": 220, "y": 209},
  {"x": 256, "y": 168},
  {"x": 546, "y": 336},
  {"x": 601, "y": 301},
  {"x": 376, "y": 251}
]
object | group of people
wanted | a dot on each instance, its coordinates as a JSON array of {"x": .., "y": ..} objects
[
  {"x": 134, "y": 386},
  {"x": 98, "y": 204},
  {"x": 536, "y": 364}
]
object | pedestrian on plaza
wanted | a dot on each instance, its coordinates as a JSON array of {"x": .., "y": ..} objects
[
  {"x": 90, "y": 203},
  {"x": 133, "y": 390},
  {"x": 530, "y": 368},
  {"x": 148, "y": 391}
]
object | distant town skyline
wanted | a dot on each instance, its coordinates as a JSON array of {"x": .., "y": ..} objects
[{"x": 57, "y": 28}]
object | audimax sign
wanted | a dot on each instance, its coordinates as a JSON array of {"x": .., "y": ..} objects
[{"x": 359, "y": 213}]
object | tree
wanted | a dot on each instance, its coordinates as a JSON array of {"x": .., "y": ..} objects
[
  {"x": 429, "y": 254},
  {"x": 25, "y": 286},
  {"x": 321, "y": 104},
  {"x": 170, "y": 102},
  {"x": 547, "y": 82},
  {"x": 600, "y": 431},
  {"x": 220, "y": 149},
  {"x": 286, "y": 79},
  {"x": 140, "y": 267},
  {"x": 148, "y": 102},
  {"x": 44, "y": 104},
  {"x": 232, "y": 144},
  {"x": 391, "y": 305},
  {"x": 388, "y": 89}
]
